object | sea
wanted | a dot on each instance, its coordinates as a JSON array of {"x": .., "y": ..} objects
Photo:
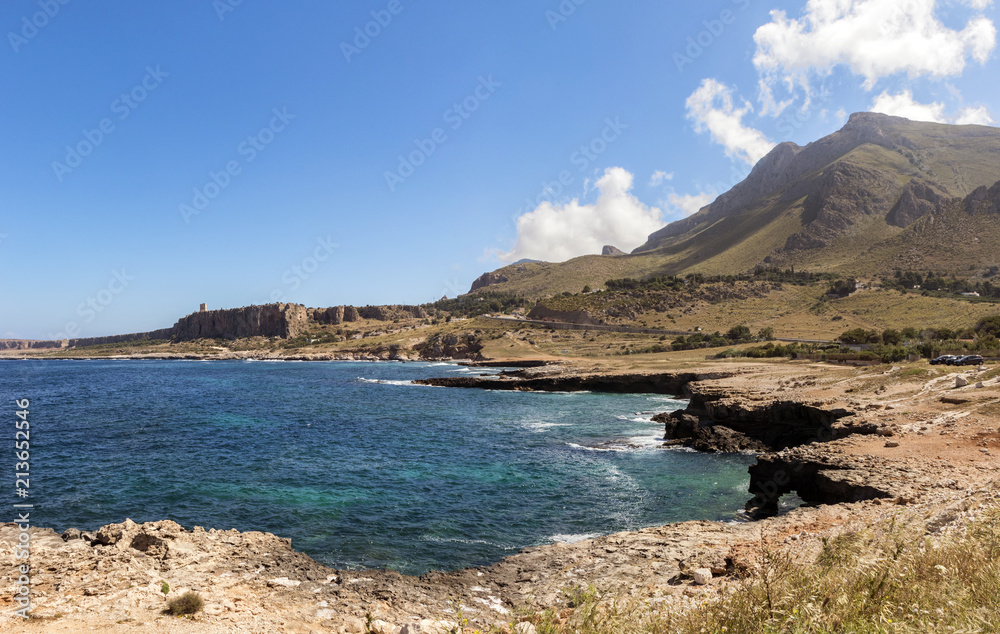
[{"x": 354, "y": 463}]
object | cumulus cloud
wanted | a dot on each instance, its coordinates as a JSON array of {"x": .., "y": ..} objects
[
  {"x": 684, "y": 205},
  {"x": 659, "y": 176},
  {"x": 978, "y": 115},
  {"x": 873, "y": 38},
  {"x": 713, "y": 108},
  {"x": 559, "y": 232},
  {"x": 904, "y": 105}
]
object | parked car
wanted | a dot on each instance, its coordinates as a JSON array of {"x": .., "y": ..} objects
[
  {"x": 942, "y": 360},
  {"x": 955, "y": 360},
  {"x": 972, "y": 359}
]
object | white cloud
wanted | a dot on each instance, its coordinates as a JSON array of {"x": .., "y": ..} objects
[
  {"x": 659, "y": 176},
  {"x": 559, "y": 232},
  {"x": 684, "y": 205},
  {"x": 712, "y": 108},
  {"x": 979, "y": 116},
  {"x": 873, "y": 38},
  {"x": 904, "y": 105}
]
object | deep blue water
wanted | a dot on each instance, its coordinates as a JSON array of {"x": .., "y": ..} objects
[{"x": 358, "y": 467}]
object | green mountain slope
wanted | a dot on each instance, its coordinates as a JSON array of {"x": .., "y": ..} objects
[{"x": 854, "y": 202}]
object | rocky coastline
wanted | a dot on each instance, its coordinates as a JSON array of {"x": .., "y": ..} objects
[{"x": 857, "y": 446}]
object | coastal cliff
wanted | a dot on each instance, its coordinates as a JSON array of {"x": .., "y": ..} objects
[{"x": 283, "y": 321}]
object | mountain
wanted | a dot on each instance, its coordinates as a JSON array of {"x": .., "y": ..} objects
[
  {"x": 879, "y": 189},
  {"x": 864, "y": 183}
]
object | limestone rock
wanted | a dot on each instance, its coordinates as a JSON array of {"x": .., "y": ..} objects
[
  {"x": 611, "y": 250},
  {"x": 488, "y": 279},
  {"x": 961, "y": 381},
  {"x": 702, "y": 576},
  {"x": 270, "y": 320}
]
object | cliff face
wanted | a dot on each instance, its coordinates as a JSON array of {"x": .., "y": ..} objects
[
  {"x": 163, "y": 333},
  {"x": 488, "y": 279},
  {"x": 389, "y": 313},
  {"x": 571, "y": 316},
  {"x": 24, "y": 344},
  {"x": 271, "y": 320}
]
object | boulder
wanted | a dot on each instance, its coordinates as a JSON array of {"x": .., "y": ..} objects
[{"x": 702, "y": 576}]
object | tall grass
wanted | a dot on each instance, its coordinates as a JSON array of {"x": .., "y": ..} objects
[{"x": 886, "y": 578}]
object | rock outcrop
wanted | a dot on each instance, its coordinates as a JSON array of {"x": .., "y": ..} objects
[
  {"x": 270, "y": 320},
  {"x": 164, "y": 333},
  {"x": 334, "y": 315},
  {"x": 451, "y": 346},
  {"x": 612, "y": 250},
  {"x": 672, "y": 383},
  {"x": 28, "y": 344},
  {"x": 390, "y": 313},
  {"x": 983, "y": 200},
  {"x": 844, "y": 194},
  {"x": 716, "y": 421},
  {"x": 918, "y": 199},
  {"x": 820, "y": 477},
  {"x": 543, "y": 313},
  {"x": 488, "y": 279}
]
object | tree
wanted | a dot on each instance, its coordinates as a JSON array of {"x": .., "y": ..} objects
[
  {"x": 891, "y": 337},
  {"x": 860, "y": 336},
  {"x": 766, "y": 334},
  {"x": 586, "y": 288},
  {"x": 739, "y": 334}
]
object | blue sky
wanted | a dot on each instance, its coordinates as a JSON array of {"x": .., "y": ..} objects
[{"x": 158, "y": 155}]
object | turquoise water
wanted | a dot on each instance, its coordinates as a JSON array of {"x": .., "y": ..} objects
[{"x": 357, "y": 466}]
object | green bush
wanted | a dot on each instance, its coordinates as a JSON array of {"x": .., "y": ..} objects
[{"x": 187, "y": 603}]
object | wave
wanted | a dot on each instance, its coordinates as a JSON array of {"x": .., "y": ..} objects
[
  {"x": 635, "y": 419},
  {"x": 679, "y": 402},
  {"x": 385, "y": 381},
  {"x": 610, "y": 447},
  {"x": 458, "y": 540},
  {"x": 540, "y": 426}
]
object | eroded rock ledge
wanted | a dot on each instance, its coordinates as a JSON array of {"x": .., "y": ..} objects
[
  {"x": 716, "y": 420},
  {"x": 673, "y": 383}
]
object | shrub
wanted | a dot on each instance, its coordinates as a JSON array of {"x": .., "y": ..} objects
[
  {"x": 861, "y": 336},
  {"x": 187, "y": 603}
]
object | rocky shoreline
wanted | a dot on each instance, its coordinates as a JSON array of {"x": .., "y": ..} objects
[{"x": 857, "y": 445}]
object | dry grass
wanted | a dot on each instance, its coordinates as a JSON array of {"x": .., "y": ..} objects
[{"x": 887, "y": 578}]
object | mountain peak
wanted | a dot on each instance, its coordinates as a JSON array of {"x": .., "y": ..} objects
[{"x": 909, "y": 149}]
